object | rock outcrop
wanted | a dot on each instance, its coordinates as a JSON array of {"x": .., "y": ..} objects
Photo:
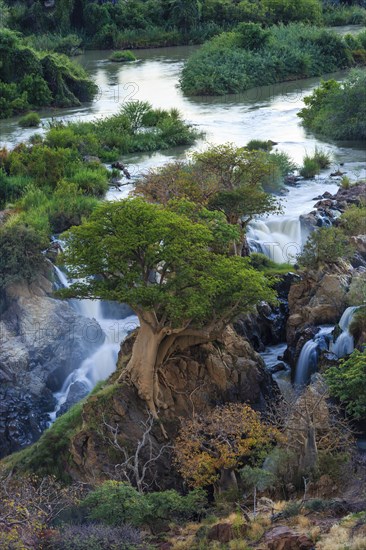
[
  {"x": 227, "y": 370},
  {"x": 41, "y": 341},
  {"x": 268, "y": 325}
]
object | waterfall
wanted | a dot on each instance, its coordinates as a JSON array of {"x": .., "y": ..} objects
[
  {"x": 102, "y": 362},
  {"x": 63, "y": 280},
  {"x": 98, "y": 366},
  {"x": 279, "y": 239},
  {"x": 307, "y": 363},
  {"x": 344, "y": 344}
]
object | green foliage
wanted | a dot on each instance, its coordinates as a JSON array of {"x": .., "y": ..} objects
[
  {"x": 118, "y": 134},
  {"x": 335, "y": 15},
  {"x": 347, "y": 382},
  {"x": 338, "y": 109},
  {"x": 259, "y": 145},
  {"x": 30, "y": 120},
  {"x": 261, "y": 262},
  {"x": 256, "y": 478},
  {"x": 114, "y": 502},
  {"x": 310, "y": 167},
  {"x": 226, "y": 64},
  {"x": 353, "y": 220},
  {"x": 251, "y": 36},
  {"x": 122, "y": 57},
  {"x": 21, "y": 258},
  {"x": 11, "y": 188},
  {"x": 285, "y": 11},
  {"x": 69, "y": 44},
  {"x": 325, "y": 245},
  {"x": 141, "y": 238},
  {"x": 91, "y": 180},
  {"x": 35, "y": 79},
  {"x": 46, "y": 166}
]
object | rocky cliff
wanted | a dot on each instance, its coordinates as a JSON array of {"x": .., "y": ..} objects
[{"x": 41, "y": 341}]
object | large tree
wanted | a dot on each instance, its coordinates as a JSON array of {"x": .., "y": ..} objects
[{"x": 166, "y": 267}]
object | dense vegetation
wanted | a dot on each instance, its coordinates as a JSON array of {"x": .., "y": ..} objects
[
  {"x": 347, "y": 382},
  {"x": 338, "y": 109},
  {"x": 252, "y": 56},
  {"x": 140, "y": 23},
  {"x": 32, "y": 79},
  {"x": 54, "y": 181}
]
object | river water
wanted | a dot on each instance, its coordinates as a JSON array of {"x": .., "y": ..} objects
[{"x": 269, "y": 112}]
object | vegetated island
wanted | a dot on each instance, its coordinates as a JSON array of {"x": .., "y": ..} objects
[{"x": 253, "y": 56}]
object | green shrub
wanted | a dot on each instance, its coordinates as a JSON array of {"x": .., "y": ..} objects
[
  {"x": 114, "y": 502},
  {"x": 259, "y": 145},
  {"x": 21, "y": 256},
  {"x": 122, "y": 57},
  {"x": 322, "y": 158},
  {"x": 31, "y": 120},
  {"x": 92, "y": 181},
  {"x": 347, "y": 382},
  {"x": 45, "y": 165},
  {"x": 310, "y": 167},
  {"x": 353, "y": 220},
  {"x": 338, "y": 109},
  {"x": 335, "y": 15},
  {"x": 312, "y": 164},
  {"x": 11, "y": 188},
  {"x": 291, "y": 509},
  {"x": 325, "y": 245}
]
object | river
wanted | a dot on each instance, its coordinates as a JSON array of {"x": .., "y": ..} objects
[{"x": 269, "y": 112}]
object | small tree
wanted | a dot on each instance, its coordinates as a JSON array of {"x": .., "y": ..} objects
[
  {"x": 347, "y": 382},
  {"x": 209, "y": 446},
  {"x": 311, "y": 425},
  {"x": 224, "y": 178},
  {"x": 163, "y": 265},
  {"x": 325, "y": 245},
  {"x": 256, "y": 479}
]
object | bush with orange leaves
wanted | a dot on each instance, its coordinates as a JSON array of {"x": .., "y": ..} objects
[{"x": 226, "y": 439}]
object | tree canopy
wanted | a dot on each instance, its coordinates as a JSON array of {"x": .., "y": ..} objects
[{"x": 226, "y": 439}]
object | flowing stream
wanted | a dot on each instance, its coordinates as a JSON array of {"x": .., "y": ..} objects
[{"x": 269, "y": 112}]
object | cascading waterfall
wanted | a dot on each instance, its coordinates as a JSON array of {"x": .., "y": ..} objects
[
  {"x": 344, "y": 344},
  {"x": 307, "y": 363},
  {"x": 279, "y": 239},
  {"x": 102, "y": 363}
]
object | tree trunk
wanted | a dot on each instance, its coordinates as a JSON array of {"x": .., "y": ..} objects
[
  {"x": 141, "y": 368},
  {"x": 152, "y": 346},
  {"x": 310, "y": 453}
]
